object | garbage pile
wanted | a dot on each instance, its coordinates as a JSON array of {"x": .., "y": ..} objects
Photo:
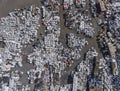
[
  {"x": 90, "y": 57},
  {"x": 113, "y": 20},
  {"x": 19, "y": 28},
  {"x": 91, "y": 53},
  {"x": 74, "y": 41},
  {"x": 93, "y": 8},
  {"x": 75, "y": 45},
  {"x": 80, "y": 77},
  {"x": 102, "y": 43},
  {"x": 53, "y": 25},
  {"x": 85, "y": 71},
  {"x": 85, "y": 26},
  {"x": 50, "y": 45},
  {"x": 48, "y": 53},
  {"x": 66, "y": 87},
  {"x": 47, "y": 58},
  {"x": 12, "y": 82},
  {"x": 110, "y": 23},
  {"x": 71, "y": 4},
  {"x": 51, "y": 53},
  {"x": 51, "y": 20},
  {"x": 47, "y": 12},
  {"x": 71, "y": 54},
  {"x": 50, "y": 2},
  {"x": 68, "y": 4},
  {"x": 116, "y": 81},
  {"x": 80, "y": 3},
  {"x": 114, "y": 23},
  {"x": 32, "y": 76},
  {"x": 42, "y": 59},
  {"x": 80, "y": 22},
  {"x": 104, "y": 72},
  {"x": 7, "y": 61}
]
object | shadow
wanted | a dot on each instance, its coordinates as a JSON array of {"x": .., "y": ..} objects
[{"x": 70, "y": 79}]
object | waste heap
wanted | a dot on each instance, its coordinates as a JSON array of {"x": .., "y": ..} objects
[
  {"x": 50, "y": 58},
  {"x": 50, "y": 2},
  {"x": 109, "y": 40},
  {"x": 46, "y": 57},
  {"x": 19, "y": 28},
  {"x": 84, "y": 70},
  {"x": 80, "y": 3},
  {"x": 90, "y": 58},
  {"x": 74, "y": 41},
  {"x": 51, "y": 20},
  {"x": 80, "y": 77},
  {"x": 113, "y": 23},
  {"x": 104, "y": 75},
  {"x": 75, "y": 45},
  {"x": 12, "y": 82},
  {"x": 80, "y": 22},
  {"x": 71, "y": 54},
  {"x": 54, "y": 25},
  {"x": 68, "y": 4},
  {"x": 67, "y": 87},
  {"x": 71, "y": 4},
  {"x": 110, "y": 24},
  {"x": 85, "y": 26},
  {"x": 93, "y": 8}
]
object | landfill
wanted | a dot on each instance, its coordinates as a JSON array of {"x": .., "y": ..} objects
[{"x": 61, "y": 45}]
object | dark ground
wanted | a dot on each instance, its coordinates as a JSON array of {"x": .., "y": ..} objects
[{"x": 7, "y": 6}]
